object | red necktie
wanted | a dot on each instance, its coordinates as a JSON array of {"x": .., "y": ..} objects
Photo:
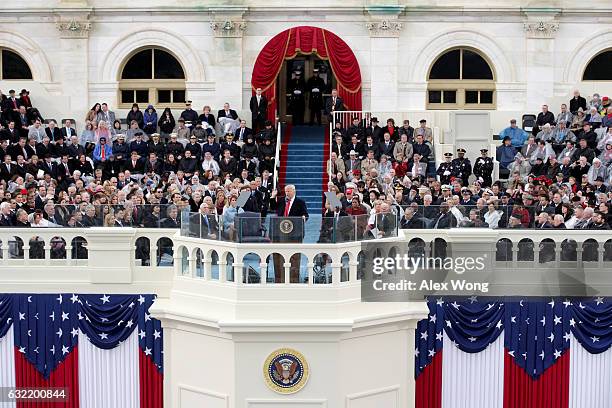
[
  {"x": 287, "y": 205},
  {"x": 103, "y": 152}
]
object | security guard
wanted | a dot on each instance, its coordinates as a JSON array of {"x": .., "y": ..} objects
[
  {"x": 462, "y": 167},
  {"x": 315, "y": 87},
  {"x": 445, "y": 170},
  {"x": 296, "y": 101},
  {"x": 483, "y": 169}
]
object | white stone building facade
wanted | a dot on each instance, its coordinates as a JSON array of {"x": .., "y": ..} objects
[{"x": 538, "y": 50}]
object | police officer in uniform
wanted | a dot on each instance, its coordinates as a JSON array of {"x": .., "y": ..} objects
[
  {"x": 296, "y": 100},
  {"x": 462, "y": 167},
  {"x": 315, "y": 86},
  {"x": 483, "y": 169},
  {"x": 445, "y": 170}
]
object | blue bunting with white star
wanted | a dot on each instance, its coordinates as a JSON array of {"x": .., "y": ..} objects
[
  {"x": 46, "y": 327},
  {"x": 536, "y": 331}
]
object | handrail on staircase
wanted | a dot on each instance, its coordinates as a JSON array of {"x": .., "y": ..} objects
[
  {"x": 331, "y": 144},
  {"x": 277, "y": 154}
]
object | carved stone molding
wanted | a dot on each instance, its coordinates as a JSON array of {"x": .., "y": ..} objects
[
  {"x": 228, "y": 28},
  {"x": 74, "y": 28},
  {"x": 384, "y": 28},
  {"x": 541, "y": 29}
]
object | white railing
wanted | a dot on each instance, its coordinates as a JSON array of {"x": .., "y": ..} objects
[
  {"x": 47, "y": 259},
  {"x": 277, "y": 154},
  {"x": 34, "y": 259}
]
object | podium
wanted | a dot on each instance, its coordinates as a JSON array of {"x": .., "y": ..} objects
[{"x": 287, "y": 229}]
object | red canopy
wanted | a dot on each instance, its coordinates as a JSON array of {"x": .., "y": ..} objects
[{"x": 308, "y": 40}]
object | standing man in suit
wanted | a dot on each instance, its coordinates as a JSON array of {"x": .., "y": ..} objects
[
  {"x": 334, "y": 103},
  {"x": 259, "y": 110},
  {"x": 289, "y": 206}
]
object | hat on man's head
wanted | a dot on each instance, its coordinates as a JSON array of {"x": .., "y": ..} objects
[
  {"x": 374, "y": 119},
  {"x": 103, "y": 138},
  {"x": 484, "y": 150},
  {"x": 120, "y": 136},
  {"x": 187, "y": 102},
  {"x": 446, "y": 187},
  {"x": 605, "y": 100},
  {"x": 25, "y": 91},
  {"x": 448, "y": 154},
  {"x": 461, "y": 150},
  {"x": 12, "y": 91},
  {"x": 422, "y": 121},
  {"x": 352, "y": 153}
]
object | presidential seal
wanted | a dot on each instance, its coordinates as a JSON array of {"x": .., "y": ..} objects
[
  {"x": 286, "y": 226},
  {"x": 286, "y": 371}
]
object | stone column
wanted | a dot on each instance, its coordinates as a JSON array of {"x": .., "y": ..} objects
[
  {"x": 540, "y": 28},
  {"x": 74, "y": 28},
  {"x": 384, "y": 32},
  {"x": 228, "y": 28}
]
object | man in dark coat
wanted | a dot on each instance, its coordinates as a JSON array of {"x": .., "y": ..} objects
[
  {"x": 315, "y": 87},
  {"x": 259, "y": 110},
  {"x": 577, "y": 102},
  {"x": 483, "y": 169},
  {"x": 543, "y": 118},
  {"x": 333, "y": 104}
]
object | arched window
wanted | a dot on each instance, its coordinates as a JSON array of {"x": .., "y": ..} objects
[
  {"x": 13, "y": 66},
  {"x": 599, "y": 68},
  {"x": 461, "y": 78},
  {"x": 152, "y": 75}
]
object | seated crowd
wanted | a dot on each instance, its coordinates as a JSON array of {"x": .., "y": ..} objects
[
  {"x": 145, "y": 176},
  {"x": 558, "y": 177},
  {"x": 148, "y": 174}
]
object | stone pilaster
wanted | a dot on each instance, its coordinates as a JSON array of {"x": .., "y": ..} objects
[
  {"x": 384, "y": 29},
  {"x": 540, "y": 28},
  {"x": 74, "y": 28},
  {"x": 228, "y": 27}
]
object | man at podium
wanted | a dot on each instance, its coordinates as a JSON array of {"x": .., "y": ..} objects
[
  {"x": 287, "y": 227},
  {"x": 290, "y": 205}
]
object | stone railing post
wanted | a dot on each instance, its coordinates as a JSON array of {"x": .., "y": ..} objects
[{"x": 111, "y": 254}]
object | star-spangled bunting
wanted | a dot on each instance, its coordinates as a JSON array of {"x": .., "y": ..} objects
[
  {"x": 536, "y": 331},
  {"x": 46, "y": 326}
]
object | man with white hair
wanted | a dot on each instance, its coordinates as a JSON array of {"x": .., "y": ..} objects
[
  {"x": 6, "y": 215},
  {"x": 596, "y": 170},
  {"x": 228, "y": 119},
  {"x": 577, "y": 102}
]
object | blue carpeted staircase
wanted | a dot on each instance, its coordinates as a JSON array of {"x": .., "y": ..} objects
[{"x": 304, "y": 164}]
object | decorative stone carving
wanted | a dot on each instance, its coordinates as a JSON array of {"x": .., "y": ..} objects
[
  {"x": 541, "y": 29},
  {"x": 384, "y": 28},
  {"x": 228, "y": 28},
  {"x": 75, "y": 28}
]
